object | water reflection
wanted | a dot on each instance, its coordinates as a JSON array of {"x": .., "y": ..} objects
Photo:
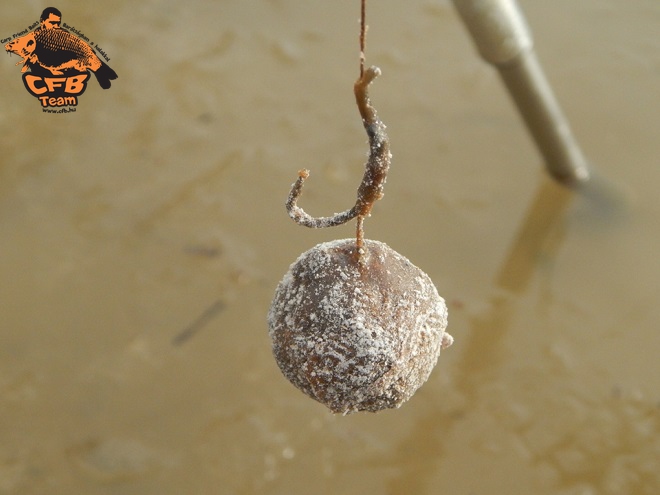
[{"x": 534, "y": 247}]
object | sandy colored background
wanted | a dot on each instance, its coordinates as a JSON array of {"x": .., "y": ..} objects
[{"x": 142, "y": 237}]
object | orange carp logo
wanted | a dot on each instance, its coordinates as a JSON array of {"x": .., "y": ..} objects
[{"x": 57, "y": 63}]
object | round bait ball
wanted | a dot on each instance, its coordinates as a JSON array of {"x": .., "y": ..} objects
[{"x": 357, "y": 333}]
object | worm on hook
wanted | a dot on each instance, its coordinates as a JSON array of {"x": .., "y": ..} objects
[{"x": 375, "y": 174}]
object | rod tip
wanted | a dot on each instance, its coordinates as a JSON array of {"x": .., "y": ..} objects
[{"x": 576, "y": 177}]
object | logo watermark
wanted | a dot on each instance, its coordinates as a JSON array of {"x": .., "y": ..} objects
[{"x": 57, "y": 60}]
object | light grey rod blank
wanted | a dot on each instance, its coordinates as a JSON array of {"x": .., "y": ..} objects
[{"x": 503, "y": 39}]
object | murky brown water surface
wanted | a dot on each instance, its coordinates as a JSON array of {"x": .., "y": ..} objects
[{"x": 142, "y": 237}]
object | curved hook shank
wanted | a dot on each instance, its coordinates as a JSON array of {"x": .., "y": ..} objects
[
  {"x": 375, "y": 174},
  {"x": 380, "y": 157},
  {"x": 301, "y": 217}
]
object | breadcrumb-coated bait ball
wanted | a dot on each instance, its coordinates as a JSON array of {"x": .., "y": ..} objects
[{"x": 357, "y": 333}]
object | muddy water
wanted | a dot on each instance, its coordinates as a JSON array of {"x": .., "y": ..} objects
[{"x": 142, "y": 237}]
